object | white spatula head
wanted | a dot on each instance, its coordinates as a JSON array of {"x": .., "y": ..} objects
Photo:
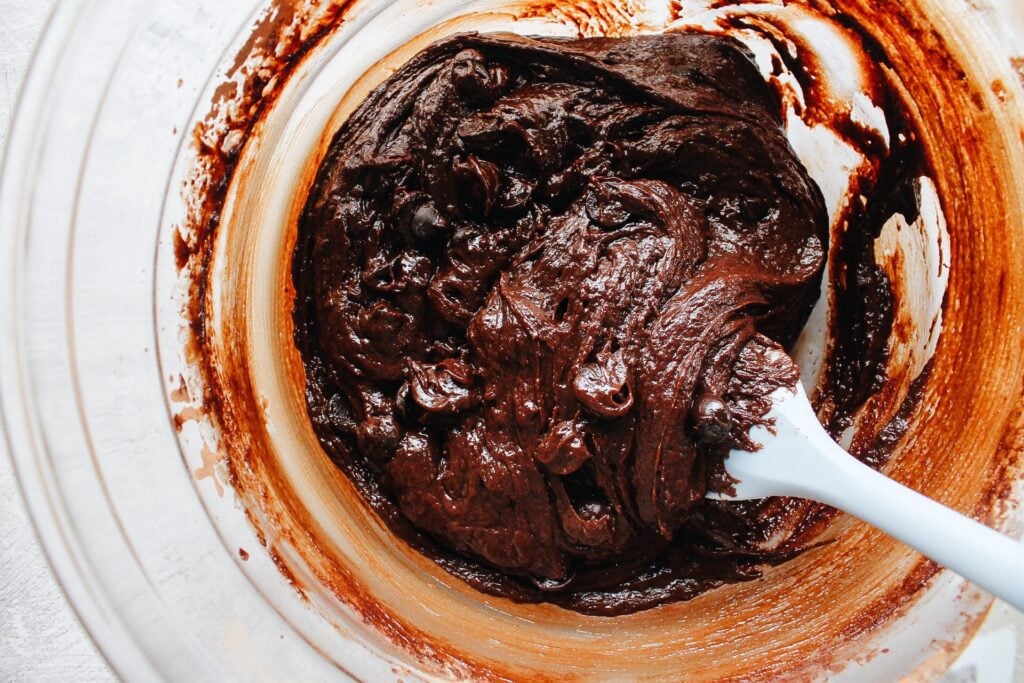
[
  {"x": 790, "y": 443},
  {"x": 798, "y": 458}
]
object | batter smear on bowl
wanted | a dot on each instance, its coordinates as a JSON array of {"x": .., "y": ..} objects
[{"x": 537, "y": 287}]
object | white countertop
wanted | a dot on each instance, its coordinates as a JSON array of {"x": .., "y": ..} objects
[{"x": 40, "y": 638}]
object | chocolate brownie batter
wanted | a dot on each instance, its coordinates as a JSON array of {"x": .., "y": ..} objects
[{"x": 542, "y": 287}]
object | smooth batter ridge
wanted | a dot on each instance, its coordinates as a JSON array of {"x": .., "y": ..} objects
[{"x": 541, "y": 286}]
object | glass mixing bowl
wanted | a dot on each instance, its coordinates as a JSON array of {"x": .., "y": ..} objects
[{"x": 160, "y": 560}]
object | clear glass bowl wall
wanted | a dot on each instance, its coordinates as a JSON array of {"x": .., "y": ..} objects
[{"x": 151, "y": 565}]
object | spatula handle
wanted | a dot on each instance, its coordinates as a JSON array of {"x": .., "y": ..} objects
[{"x": 974, "y": 551}]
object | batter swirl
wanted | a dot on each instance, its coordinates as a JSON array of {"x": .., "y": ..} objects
[{"x": 539, "y": 287}]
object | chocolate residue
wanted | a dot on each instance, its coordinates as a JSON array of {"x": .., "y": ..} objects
[
  {"x": 538, "y": 288},
  {"x": 863, "y": 311},
  {"x": 186, "y": 414},
  {"x": 999, "y": 90},
  {"x": 1017, "y": 63},
  {"x": 850, "y": 585},
  {"x": 283, "y": 36},
  {"x": 588, "y": 18}
]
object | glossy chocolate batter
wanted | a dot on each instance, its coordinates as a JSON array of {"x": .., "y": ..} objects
[{"x": 541, "y": 289}]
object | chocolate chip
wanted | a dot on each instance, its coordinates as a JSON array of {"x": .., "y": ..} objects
[
  {"x": 712, "y": 419},
  {"x": 426, "y": 223}
]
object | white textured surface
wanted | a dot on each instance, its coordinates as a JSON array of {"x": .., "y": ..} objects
[{"x": 40, "y": 639}]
